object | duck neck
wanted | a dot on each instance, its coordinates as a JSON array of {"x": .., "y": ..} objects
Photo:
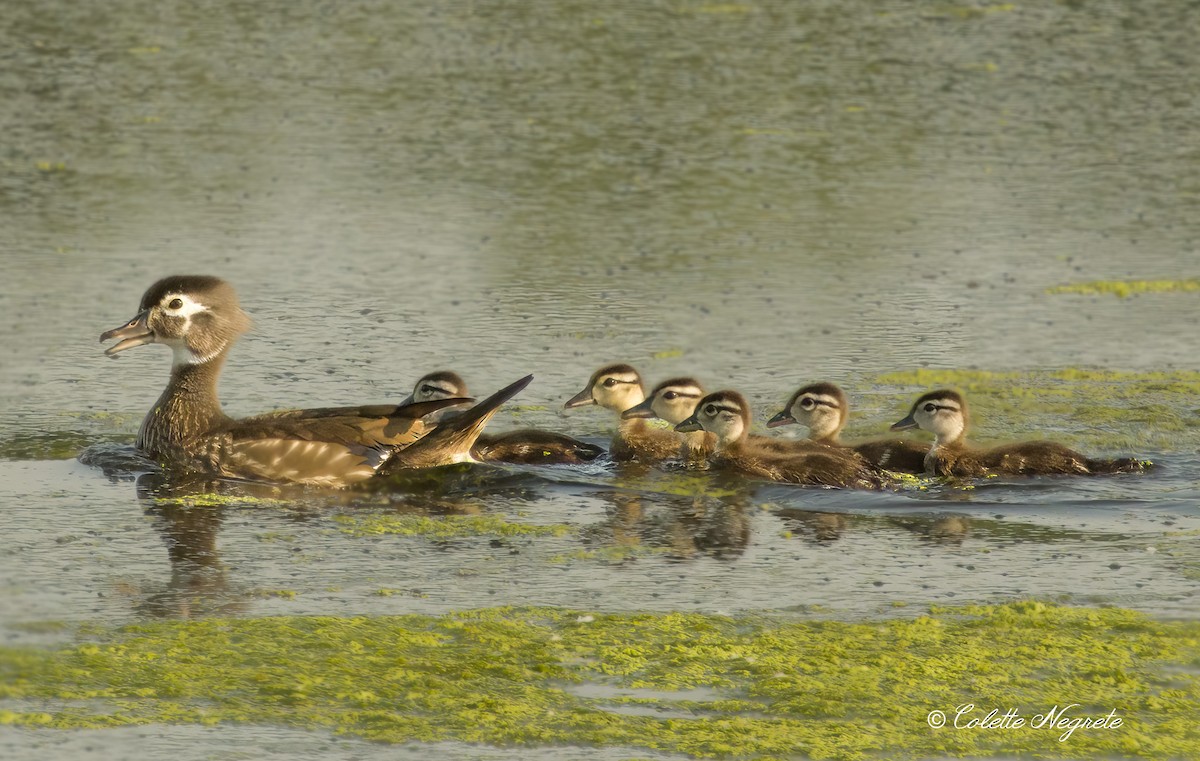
[
  {"x": 825, "y": 433},
  {"x": 188, "y": 408},
  {"x": 632, "y": 426}
]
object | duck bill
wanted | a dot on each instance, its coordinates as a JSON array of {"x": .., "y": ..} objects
[
  {"x": 582, "y": 399},
  {"x": 903, "y": 425},
  {"x": 641, "y": 410},
  {"x": 405, "y": 401},
  {"x": 689, "y": 425},
  {"x": 136, "y": 332},
  {"x": 783, "y": 418}
]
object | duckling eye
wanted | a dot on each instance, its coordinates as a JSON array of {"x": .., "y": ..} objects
[
  {"x": 176, "y": 303},
  {"x": 610, "y": 382},
  {"x": 670, "y": 395},
  {"x": 807, "y": 404},
  {"x": 428, "y": 390},
  {"x": 930, "y": 407},
  {"x": 710, "y": 410}
]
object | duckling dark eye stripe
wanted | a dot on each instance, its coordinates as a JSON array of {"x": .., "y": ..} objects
[{"x": 733, "y": 410}]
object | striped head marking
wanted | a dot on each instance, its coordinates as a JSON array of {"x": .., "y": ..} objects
[
  {"x": 616, "y": 387},
  {"x": 724, "y": 413},
  {"x": 442, "y": 384},
  {"x": 822, "y": 407},
  {"x": 672, "y": 400},
  {"x": 943, "y": 413},
  {"x": 196, "y": 315}
]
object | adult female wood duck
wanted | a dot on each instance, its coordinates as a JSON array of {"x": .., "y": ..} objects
[
  {"x": 618, "y": 387},
  {"x": 527, "y": 446},
  {"x": 944, "y": 414},
  {"x": 199, "y": 318},
  {"x": 727, "y": 415},
  {"x": 823, "y": 408}
]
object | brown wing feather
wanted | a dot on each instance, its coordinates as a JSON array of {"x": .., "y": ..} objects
[{"x": 294, "y": 460}]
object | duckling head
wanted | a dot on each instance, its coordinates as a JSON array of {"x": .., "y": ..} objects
[
  {"x": 943, "y": 413},
  {"x": 616, "y": 387},
  {"x": 672, "y": 400},
  {"x": 822, "y": 407},
  {"x": 442, "y": 384},
  {"x": 198, "y": 316},
  {"x": 726, "y": 414}
]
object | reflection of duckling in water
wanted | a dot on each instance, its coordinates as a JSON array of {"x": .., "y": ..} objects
[
  {"x": 618, "y": 387},
  {"x": 944, "y": 414},
  {"x": 943, "y": 529},
  {"x": 727, "y": 414},
  {"x": 824, "y": 527},
  {"x": 526, "y": 446},
  {"x": 823, "y": 408}
]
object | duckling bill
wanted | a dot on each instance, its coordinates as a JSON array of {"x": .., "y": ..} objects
[
  {"x": 199, "y": 318},
  {"x": 944, "y": 414}
]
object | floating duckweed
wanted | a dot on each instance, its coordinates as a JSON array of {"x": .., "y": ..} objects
[
  {"x": 210, "y": 499},
  {"x": 778, "y": 688},
  {"x": 1123, "y": 289},
  {"x": 444, "y": 527}
]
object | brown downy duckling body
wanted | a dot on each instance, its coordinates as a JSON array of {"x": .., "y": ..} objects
[
  {"x": 527, "y": 446},
  {"x": 618, "y": 387},
  {"x": 726, "y": 414},
  {"x": 824, "y": 409},
  {"x": 944, "y": 414},
  {"x": 674, "y": 401},
  {"x": 199, "y": 318}
]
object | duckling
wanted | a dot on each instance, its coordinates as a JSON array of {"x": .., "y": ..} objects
[
  {"x": 727, "y": 415},
  {"x": 199, "y": 318},
  {"x": 823, "y": 408},
  {"x": 674, "y": 401},
  {"x": 526, "y": 446},
  {"x": 618, "y": 387},
  {"x": 944, "y": 414}
]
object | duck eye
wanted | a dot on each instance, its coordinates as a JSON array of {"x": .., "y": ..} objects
[
  {"x": 930, "y": 407},
  {"x": 710, "y": 410},
  {"x": 610, "y": 382},
  {"x": 670, "y": 395},
  {"x": 176, "y": 303},
  {"x": 807, "y": 404},
  {"x": 428, "y": 390}
]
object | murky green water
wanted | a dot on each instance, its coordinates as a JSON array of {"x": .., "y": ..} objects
[{"x": 761, "y": 194}]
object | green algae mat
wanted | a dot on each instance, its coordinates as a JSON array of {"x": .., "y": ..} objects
[{"x": 1073, "y": 682}]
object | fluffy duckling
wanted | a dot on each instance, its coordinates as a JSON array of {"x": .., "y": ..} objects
[
  {"x": 823, "y": 408},
  {"x": 618, "y": 387},
  {"x": 727, "y": 415},
  {"x": 527, "y": 446},
  {"x": 944, "y": 414},
  {"x": 674, "y": 401}
]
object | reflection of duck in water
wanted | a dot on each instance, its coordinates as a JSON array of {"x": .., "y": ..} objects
[
  {"x": 618, "y": 387},
  {"x": 200, "y": 319},
  {"x": 824, "y": 409},
  {"x": 197, "y": 585},
  {"x": 727, "y": 415},
  {"x": 944, "y": 414},
  {"x": 527, "y": 446}
]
